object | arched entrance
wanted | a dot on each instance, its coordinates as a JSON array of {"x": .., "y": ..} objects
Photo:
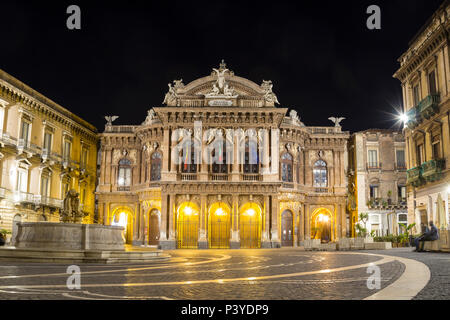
[
  {"x": 219, "y": 226},
  {"x": 287, "y": 229},
  {"x": 321, "y": 222},
  {"x": 154, "y": 224},
  {"x": 187, "y": 225},
  {"x": 250, "y": 225},
  {"x": 123, "y": 217}
]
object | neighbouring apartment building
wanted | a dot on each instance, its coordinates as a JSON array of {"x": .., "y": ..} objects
[
  {"x": 425, "y": 74},
  {"x": 377, "y": 179},
  {"x": 45, "y": 150}
]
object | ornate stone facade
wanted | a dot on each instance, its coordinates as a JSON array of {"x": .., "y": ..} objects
[
  {"x": 45, "y": 150},
  {"x": 296, "y": 189},
  {"x": 424, "y": 74}
]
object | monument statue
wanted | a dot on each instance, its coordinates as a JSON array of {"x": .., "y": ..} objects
[
  {"x": 71, "y": 212},
  {"x": 269, "y": 96},
  {"x": 221, "y": 87},
  {"x": 110, "y": 119},
  {"x": 336, "y": 121}
]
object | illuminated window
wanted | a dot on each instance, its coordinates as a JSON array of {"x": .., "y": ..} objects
[
  {"x": 320, "y": 174},
  {"x": 155, "y": 174},
  {"x": 286, "y": 167},
  {"x": 188, "y": 164},
  {"x": 219, "y": 155},
  {"x": 124, "y": 176},
  {"x": 251, "y": 159}
]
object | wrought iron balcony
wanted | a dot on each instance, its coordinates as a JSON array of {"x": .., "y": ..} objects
[
  {"x": 414, "y": 176},
  {"x": 414, "y": 117},
  {"x": 432, "y": 170},
  {"x": 429, "y": 106}
]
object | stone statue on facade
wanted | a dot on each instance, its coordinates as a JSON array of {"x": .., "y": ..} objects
[
  {"x": 172, "y": 94},
  {"x": 151, "y": 115},
  {"x": 221, "y": 87},
  {"x": 71, "y": 212},
  {"x": 110, "y": 120},
  {"x": 336, "y": 121},
  {"x": 269, "y": 96}
]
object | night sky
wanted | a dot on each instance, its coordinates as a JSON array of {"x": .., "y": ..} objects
[{"x": 322, "y": 59}]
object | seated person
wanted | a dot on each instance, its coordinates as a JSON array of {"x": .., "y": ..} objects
[{"x": 430, "y": 235}]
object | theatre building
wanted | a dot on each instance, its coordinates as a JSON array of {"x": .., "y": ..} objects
[{"x": 221, "y": 165}]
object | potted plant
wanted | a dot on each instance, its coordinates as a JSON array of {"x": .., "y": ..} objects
[
  {"x": 3, "y": 234},
  {"x": 389, "y": 194}
]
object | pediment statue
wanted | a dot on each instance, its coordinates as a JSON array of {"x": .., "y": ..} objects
[
  {"x": 151, "y": 115},
  {"x": 221, "y": 87},
  {"x": 172, "y": 94},
  {"x": 269, "y": 96}
]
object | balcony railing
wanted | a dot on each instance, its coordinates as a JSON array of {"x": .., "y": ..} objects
[
  {"x": 414, "y": 117},
  {"x": 48, "y": 202},
  {"x": 123, "y": 188},
  {"x": 187, "y": 176},
  {"x": 429, "y": 106},
  {"x": 373, "y": 166},
  {"x": 414, "y": 176},
  {"x": 251, "y": 177},
  {"x": 432, "y": 170},
  {"x": 400, "y": 166},
  {"x": 219, "y": 177}
]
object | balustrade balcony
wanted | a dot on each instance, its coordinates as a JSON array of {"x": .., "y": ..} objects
[
  {"x": 429, "y": 106},
  {"x": 251, "y": 177},
  {"x": 219, "y": 177},
  {"x": 432, "y": 170},
  {"x": 187, "y": 176},
  {"x": 414, "y": 176}
]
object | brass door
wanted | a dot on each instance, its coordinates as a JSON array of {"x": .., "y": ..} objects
[
  {"x": 220, "y": 232},
  {"x": 287, "y": 232},
  {"x": 250, "y": 231},
  {"x": 187, "y": 234}
]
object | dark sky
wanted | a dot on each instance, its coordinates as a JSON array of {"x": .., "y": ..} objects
[{"x": 322, "y": 59}]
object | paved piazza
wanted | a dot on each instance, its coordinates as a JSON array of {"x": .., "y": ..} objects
[{"x": 232, "y": 274}]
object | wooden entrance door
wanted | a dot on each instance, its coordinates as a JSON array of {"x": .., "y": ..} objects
[
  {"x": 153, "y": 235},
  {"x": 287, "y": 230}
]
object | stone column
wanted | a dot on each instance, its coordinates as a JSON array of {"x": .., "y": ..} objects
[
  {"x": 164, "y": 217},
  {"x": 203, "y": 232},
  {"x": 265, "y": 154},
  {"x": 337, "y": 221},
  {"x": 172, "y": 218},
  {"x": 204, "y": 164},
  {"x": 307, "y": 222},
  {"x": 173, "y": 165},
  {"x": 143, "y": 225},
  {"x": 301, "y": 222},
  {"x": 166, "y": 154},
  {"x": 234, "y": 242},
  {"x": 275, "y": 222},
  {"x": 235, "y": 165},
  {"x": 343, "y": 222},
  {"x": 266, "y": 223},
  {"x": 295, "y": 225}
]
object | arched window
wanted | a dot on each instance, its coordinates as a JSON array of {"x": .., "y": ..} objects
[
  {"x": 124, "y": 177},
  {"x": 219, "y": 155},
  {"x": 155, "y": 174},
  {"x": 188, "y": 164},
  {"x": 251, "y": 159},
  {"x": 320, "y": 174},
  {"x": 286, "y": 167}
]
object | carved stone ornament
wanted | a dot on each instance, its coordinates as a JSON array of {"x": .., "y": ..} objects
[
  {"x": 71, "y": 212},
  {"x": 151, "y": 116},
  {"x": 269, "y": 96},
  {"x": 221, "y": 88},
  {"x": 172, "y": 94}
]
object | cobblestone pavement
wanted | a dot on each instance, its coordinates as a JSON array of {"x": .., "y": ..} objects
[
  {"x": 438, "y": 288},
  {"x": 208, "y": 274}
]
